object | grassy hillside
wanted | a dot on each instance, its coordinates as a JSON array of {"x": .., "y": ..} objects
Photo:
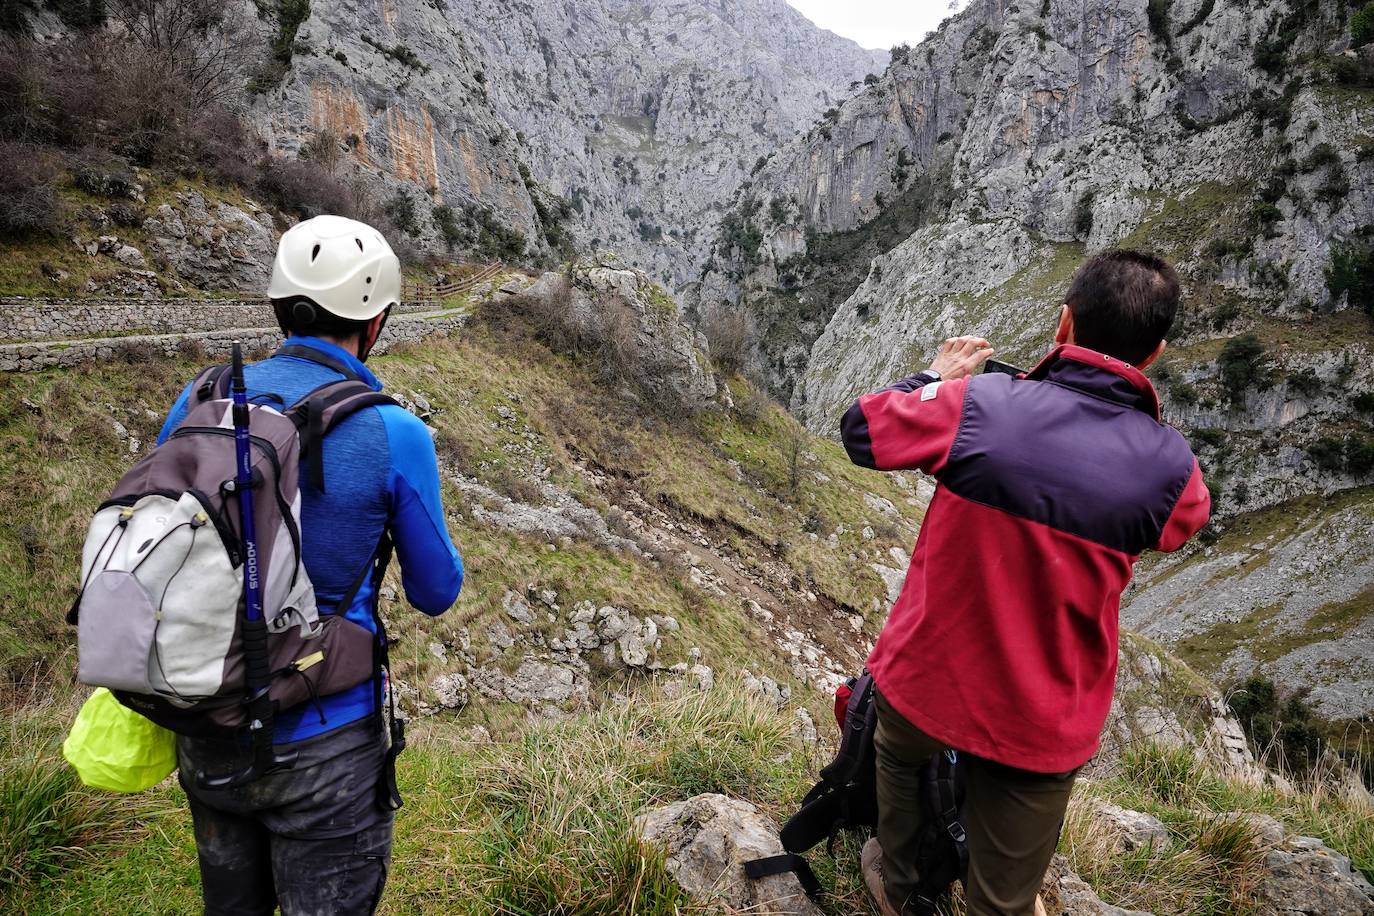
[{"x": 511, "y": 416}]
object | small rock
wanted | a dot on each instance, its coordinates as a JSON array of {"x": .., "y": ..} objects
[
  {"x": 500, "y": 637},
  {"x": 451, "y": 690},
  {"x": 613, "y": 623},
  {"x": 637, "y": 646},
  {"x": 767, "y": 688},
  {"x": 129, "y": 256},
  {"x": 879, "y": 504},
  {"x": 758, "y": 611},
  {"x": 704, "y": 676},
  {"x": 1066, "y": 894},
  {"x": 804, "y": 728},
  {"x": 517, "y": 608}
]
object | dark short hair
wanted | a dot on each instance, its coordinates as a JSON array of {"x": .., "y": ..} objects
[
  {"x": 301, "y": 315},
  {"x": 1123, "y": 303}
]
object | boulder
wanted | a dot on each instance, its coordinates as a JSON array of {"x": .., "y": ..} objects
[
  {"x": 708, "y": 839},
  {"x": 213, "y": 245},
  {"x": 1303, "y": 876},
  {"x": 129, "y": 256},
  {"x": 546, "y": 688},
  {"x": 673, "y": 365},
  {"x": 517, "y": 608},
  {"x": 638, "y": 646},
  {"x": 1129, "y": 830}
]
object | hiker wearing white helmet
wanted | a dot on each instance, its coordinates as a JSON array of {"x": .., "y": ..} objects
[{"x": 316, "y": 838}]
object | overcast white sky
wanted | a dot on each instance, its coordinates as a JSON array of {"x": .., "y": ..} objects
[{"x": 877, "y": 23}]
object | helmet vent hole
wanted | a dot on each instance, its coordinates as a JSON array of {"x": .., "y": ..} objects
[
  {"x": 314, "y": 253},
  {"x": 369, "y": 279},
  {"x": 364, "y": 298},
  {"x": 360, "y": 244}
]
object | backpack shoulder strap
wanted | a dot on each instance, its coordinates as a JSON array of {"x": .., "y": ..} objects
[
  {"x": 856, "y": 741},
  {"x": 946, "y": 800},
  {"x": 319, "y": 411},
  {"x": 301, "y": 351},
  {"x": 388, "y": 792}
]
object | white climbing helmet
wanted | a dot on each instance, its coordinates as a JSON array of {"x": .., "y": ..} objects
[{"x": 342, "y": 265}]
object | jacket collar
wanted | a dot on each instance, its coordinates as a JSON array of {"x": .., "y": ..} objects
[
  {"x": 1098, "y": 374},
  {"x": 338, "y": 353}
]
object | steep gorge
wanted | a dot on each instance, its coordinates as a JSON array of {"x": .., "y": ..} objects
[{"x": 959, "y": 193}]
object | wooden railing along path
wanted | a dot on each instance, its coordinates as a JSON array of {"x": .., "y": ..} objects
[{"x": 428, "y": 292}]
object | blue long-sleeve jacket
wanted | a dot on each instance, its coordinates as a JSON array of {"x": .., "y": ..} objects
[{"x": 380, "y": 471}]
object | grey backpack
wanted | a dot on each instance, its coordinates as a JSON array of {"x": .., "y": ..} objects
[{"x": 159, "y": 616}]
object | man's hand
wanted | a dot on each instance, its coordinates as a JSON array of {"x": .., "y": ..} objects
[{"x": 960, "y": 356}]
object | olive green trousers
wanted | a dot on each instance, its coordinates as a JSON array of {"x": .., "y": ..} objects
[{"x": 1012, "y": 818}]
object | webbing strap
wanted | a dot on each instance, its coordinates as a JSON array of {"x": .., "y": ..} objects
[
  {"x": 313, "y": 442},
  {"x": 388, "y": 792},
  {"x": 212, "y": 383},
  {"x": 783, "y": 864}
]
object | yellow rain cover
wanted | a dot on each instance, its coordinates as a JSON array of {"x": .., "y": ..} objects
[{"x": 112, "y": 747}]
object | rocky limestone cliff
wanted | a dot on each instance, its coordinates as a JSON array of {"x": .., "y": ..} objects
[
  {"x": 399, "y": 84},
  {"x": 624, "y": 124},
  {"x": 1021, "y": 137},
  {"x": 647, "y": 114},
  {"x": 1287, "y": 592}
]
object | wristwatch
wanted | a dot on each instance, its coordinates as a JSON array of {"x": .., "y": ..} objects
[{"x": 930, "y": 375}]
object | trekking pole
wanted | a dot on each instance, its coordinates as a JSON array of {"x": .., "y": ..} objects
[{"x": 258, "y": 677}]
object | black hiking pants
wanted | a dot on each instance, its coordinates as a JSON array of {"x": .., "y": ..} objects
[
  {"x": 311, "y": 839},
  {"x": 1012, "y": 818}
]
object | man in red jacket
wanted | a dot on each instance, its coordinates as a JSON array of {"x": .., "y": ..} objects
[{"x": 1003, "y": 643}]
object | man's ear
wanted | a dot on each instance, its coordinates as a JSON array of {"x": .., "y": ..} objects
[
  {"x": 1064, "y": 333},
  {"x": 1158, "y": 352},
  {"x": 371, "y": 333}
]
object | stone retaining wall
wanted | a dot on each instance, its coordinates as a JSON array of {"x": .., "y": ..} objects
[
  {"x": 59, "y": 319},
  {"x": 30, "y": 357}
]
